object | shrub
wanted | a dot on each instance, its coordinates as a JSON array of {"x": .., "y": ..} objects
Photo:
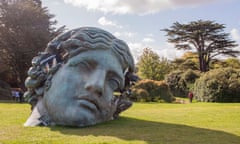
[
  {"x": 176, "y": 84},
  {"x": 190, "y": 76},
  {"x": 151, "y": 91},
  {"x": 181, "y": 82},
  {"x": 5, "y": 91},
  {"x": 218, "y": 85}
]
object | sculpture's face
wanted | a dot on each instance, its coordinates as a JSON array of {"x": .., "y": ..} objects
[{"x": 81, "y": 91}]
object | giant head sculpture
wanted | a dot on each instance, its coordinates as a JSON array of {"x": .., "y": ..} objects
[{"x": 73, "y": 81}]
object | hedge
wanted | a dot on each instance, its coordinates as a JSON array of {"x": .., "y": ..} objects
[
  {"x": 218, "y": 85},
  {"x": 151, "y": 91}
]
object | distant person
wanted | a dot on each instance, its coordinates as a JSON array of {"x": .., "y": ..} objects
[
  {"x": 17, "y": 96},
  {"x": 20, "y": 96},
  {"x": 190, "y": 96},
  {"x": 13, "y": 95}
]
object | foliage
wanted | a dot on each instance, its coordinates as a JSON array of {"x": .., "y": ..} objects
[
  {"x": 151, "y": 66},
  {"x": 219, "y": 85},
  {"x": 5, "y": 91},
  {"x": 151, "y": 91},
  {"x": 25, "y": 29},
  {"x": 190, "y": 76},
  {"x": 233, "y": 63},
  {"x": 188, "y": 61},
  {"x": 143, "y": 123},
  {"x": 181, "y": 82},
  {"x": 206, "y": 37},
  {"x": 177, "y": 85},
  {"x": 230, "y": 62}
]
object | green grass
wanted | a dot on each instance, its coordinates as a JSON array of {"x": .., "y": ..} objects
[{"x": 144, "y": 123}]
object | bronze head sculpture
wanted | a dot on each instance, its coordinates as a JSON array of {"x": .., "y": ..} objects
[{"x": 73, "y": 82}]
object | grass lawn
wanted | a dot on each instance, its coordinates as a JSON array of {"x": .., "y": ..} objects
[{"x": 144, "y": 123}]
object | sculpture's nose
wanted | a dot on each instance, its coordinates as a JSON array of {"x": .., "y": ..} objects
[{"x": 96, "y": 82}]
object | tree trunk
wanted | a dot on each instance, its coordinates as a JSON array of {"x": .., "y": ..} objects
[
  {"x": 204, "y": 69},
  {"x": 202, "y": 63}
]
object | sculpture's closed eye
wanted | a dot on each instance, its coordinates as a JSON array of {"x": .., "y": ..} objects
[
  {"x": 85, "y": 66},
  {"x": 114, "y": 83}
]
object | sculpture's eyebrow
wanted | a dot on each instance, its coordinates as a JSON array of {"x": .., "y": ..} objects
[
  {"x": 75, "y": 61},
  {"x": 91, "y": 63}
]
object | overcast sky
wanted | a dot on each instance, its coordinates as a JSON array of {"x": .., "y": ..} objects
[{"x": 139, "y": 22}]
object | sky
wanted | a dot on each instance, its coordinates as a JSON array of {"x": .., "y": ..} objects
[{"x": 140, "y": 22}]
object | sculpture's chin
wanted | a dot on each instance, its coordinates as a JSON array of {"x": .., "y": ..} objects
[{"x": 81, "y": 119}]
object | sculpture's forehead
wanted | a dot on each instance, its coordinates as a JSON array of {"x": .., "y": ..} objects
[{"x": 103, "y": 58}]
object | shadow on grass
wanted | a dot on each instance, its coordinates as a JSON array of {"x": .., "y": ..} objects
[{"x": 131, "y": 129}]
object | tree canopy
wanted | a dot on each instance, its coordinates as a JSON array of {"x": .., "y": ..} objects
[
  {"x": 189, "y": 60},
  {"x": 25, "y": 29},
  {"x": 206, "y": 37},
  {"x": 151, "y": 66}
]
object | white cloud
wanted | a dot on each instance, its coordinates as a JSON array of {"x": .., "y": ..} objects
[
  {"x": 105, "y": 22},
  {"x": 128, "y": 34},
  {"x": 117, "y": 34},
  {"x": 148, "y": 40},
  {"x": 135, "y": 46},
  {"x": 235, "y": 34},
  {"x": 150, "y": 35},
  {"x": 191, "y": 2},
  {"x": 124, "y": 34},
  {"x": 168, "y": 50},
  {"x": 133, "y": 6},
  {"x": 136, "y": 49}
]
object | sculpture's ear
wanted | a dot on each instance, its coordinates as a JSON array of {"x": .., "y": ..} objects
[{"x": 38, "y": 111}]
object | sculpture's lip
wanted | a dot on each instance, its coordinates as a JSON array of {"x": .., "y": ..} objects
[{"x": 88, "y": 103}]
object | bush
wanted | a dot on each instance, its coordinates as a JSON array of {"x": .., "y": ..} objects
[
  {"x": 5, "y": 91},
  {"x": 151, "y": 91},
  {"x": 176, "y": 84},
  {"x": 181, "y": 82},
  {"x": 218, "y": 85},
  {"x": 190, "y": 76}
]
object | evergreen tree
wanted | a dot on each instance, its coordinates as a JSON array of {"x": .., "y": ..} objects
[{"x": 207, "y": 37}]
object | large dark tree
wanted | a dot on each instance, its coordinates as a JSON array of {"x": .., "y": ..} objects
[
  {"x": 25, "y": 29},
  {"x": 206, "y": 37}
]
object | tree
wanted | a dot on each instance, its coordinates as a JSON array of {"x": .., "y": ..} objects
[
  {"x": 151, "y": 66},
  {"x": 218, "y": 85},
  {"x": 207, "y": 37},
  {"x": 181, "y": 82},
  {"x": 25, "y": 29},
  {"x": 188, "y": 61},
  {"x": 164, "y": 68}
]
